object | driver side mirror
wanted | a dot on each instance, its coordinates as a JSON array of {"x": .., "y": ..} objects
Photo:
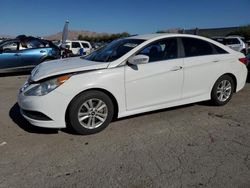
[{"x": 138, "y": 59}]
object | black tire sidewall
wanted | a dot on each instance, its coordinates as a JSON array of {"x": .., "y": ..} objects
[
  {"x": 214, "y": 97},
  {"x": 76, "y": 104}
]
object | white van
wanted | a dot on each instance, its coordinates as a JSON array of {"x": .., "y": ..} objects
[
  {"x": 76, "y": 45},
  {"x": 236, "y": 43}
]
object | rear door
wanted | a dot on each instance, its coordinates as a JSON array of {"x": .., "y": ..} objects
[
  {"x": 33, "y": 54},
  {"x": 86, "y": 47},
  {"x": 202, "y": 66},
  {"x": 75, "y": 47}
]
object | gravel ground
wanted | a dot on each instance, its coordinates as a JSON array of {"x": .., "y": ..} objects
[{"x": 195, "y": 145}]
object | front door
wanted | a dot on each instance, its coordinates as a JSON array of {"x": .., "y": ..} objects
[
  {"x": 9, "y": 56},
  {"x": 157, "y": 82}
]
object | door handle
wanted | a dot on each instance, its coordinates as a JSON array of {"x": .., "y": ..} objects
[
  {"x": 176, "y": 68},
  {"x": 17, "y": 54},
  {"x": 42, "y": 51},
  {"x": 215, "y": 61}
]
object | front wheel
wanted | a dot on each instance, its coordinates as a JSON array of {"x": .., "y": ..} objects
[
  {"x": 223, "y": 90},
  {"x": 90, "y": 112}
]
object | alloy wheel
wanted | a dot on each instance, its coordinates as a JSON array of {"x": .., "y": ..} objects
[
  {"x": 224, "y": 90},
  {"x": 92, "y": 113}
]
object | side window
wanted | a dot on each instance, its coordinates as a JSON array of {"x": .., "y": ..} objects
[
  {"x": 196, "y": 47},
  {"x": 76, "y": 45},
  {"x": 34, "y": 44},
  {"x": 161, "y": 50},
  {"x": 85, "y": 45},
  {"x": 10, "y": 46},
  {"x": 67, "y": 46},
  {"x": 219, "y": 50}
]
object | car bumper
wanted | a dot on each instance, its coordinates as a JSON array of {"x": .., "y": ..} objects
[
  {"x": 53, "y": 106},
  {"x": 241, "y": 78}
]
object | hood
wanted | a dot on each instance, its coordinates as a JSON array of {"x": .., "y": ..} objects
[{"x": 64, "y": 66}]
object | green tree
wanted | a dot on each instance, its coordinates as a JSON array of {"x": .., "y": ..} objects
[
  {"x": 80, "y": 37},
  {"x": 243, "y": 31},
  {"x": 103, "y": 38}
]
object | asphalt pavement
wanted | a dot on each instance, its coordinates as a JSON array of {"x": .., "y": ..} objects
[{"x": 196, "y": 145}]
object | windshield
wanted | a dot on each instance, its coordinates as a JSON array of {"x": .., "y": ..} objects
[{"x": 114, "y": 50}]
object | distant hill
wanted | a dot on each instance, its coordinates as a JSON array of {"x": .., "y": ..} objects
[
  {"x": 73, "y": 35},
  {"x": 6, "y": 36}
]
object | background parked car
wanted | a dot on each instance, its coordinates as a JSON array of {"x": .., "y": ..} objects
[
  {"x": 248, "y": 43},
  {"x": 24, "y": 53},
  {"x": 236, "y": 43},
  {"x": 219, "y": 39},
  {"x": 76, "y": 46},
  {"x": 248, "y": 63}
]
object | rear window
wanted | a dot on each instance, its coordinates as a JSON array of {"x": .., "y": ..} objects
[
  {"x": 85, "y": 45},
  {"x": 219, "y": 50},
  {"x": 231, "y": 41}
]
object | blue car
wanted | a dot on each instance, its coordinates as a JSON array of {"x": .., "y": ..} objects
[{"x": 24, "y": 53}]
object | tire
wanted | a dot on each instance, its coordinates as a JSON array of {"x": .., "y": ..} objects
[
  {"x": 90, "y": 112},
  {"x": 222, "y": 90}
]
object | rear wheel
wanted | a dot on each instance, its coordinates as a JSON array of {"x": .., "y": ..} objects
[
  {"x": 90, "y": 112},
  {"x": 223, "y": 90}
]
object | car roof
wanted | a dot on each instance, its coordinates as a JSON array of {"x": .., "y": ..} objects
[
  {"x": 232, "y": 37},
  {"x": 154, "y": 37},
  {"x": 163, "y": 35},
  {"x": 150, "y": 36}
]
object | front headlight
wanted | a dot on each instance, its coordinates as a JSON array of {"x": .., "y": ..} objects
[{"x": 47, "y": 86}]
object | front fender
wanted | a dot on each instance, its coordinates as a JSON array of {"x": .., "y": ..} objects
[{"x": 110, "y": 80}]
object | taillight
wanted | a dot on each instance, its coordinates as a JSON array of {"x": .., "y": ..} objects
[{"x": 243, "y": 60}]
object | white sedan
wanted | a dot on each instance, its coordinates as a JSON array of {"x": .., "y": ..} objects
[{"x": 130, "y": 76}]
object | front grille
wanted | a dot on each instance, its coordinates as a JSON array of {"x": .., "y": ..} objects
[{"x": 36, "y": 115}]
